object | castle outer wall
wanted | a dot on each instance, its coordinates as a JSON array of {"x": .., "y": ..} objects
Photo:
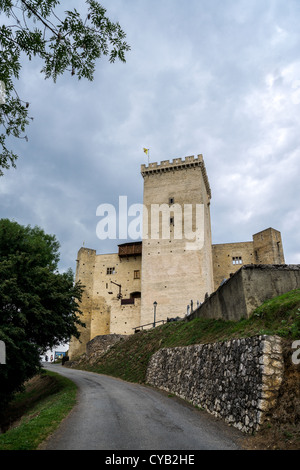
[
  {"x": 265, "y": 248},
  {"x": 120, "y": 288},
  {"x": 108, "y": 308}
]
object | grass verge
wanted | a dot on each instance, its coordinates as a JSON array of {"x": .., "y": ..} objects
[{"x": 37, "y": 412}]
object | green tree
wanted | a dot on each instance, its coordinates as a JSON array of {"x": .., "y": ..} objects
[
  {"x": 69, "y": 44},
  {"x": 39, "y": 307}
]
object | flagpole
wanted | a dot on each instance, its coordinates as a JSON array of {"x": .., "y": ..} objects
[{"x": 147, "y": 151}]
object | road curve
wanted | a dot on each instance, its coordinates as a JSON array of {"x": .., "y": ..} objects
[{"x": 112, "y": 414}]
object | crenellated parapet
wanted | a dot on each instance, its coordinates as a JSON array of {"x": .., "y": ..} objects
[{"x": 175, "y": 165}]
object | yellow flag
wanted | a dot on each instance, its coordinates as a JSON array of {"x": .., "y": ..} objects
[{"x": 146, "y": 151}]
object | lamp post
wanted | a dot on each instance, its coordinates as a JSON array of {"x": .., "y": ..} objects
[{"x": 154, "y": 305}]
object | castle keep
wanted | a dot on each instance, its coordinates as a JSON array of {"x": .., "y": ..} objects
[
  {"x": 176, "y": 262},
  {"x": 175, "y": 270}
]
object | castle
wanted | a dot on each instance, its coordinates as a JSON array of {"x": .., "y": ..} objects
[{"x": 174, "y": 264}]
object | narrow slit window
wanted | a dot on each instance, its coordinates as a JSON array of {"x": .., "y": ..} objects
[{"x": 137, "y": 274}]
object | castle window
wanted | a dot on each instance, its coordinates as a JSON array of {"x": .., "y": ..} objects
[
  {"x": 137, "y": 274},
  {"x": 110, "y": 271},
  {"x": 237, "y": 260},
  {"x": 171, "y": 220},
  {"x": 171, "y": 200}
]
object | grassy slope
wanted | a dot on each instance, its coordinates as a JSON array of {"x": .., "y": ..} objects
[{"x": 128, "y": 359}]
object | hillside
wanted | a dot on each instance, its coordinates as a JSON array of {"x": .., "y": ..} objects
[{"x": 129, "y": 358}]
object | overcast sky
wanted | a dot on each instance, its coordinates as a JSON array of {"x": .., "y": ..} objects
[{"x": 211, "y": 77}]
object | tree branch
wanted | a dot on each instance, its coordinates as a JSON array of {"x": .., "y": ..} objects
[{"x": 39, "y": 17}]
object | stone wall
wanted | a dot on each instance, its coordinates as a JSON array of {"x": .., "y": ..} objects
[
  {"x": 84, "y": 273},
  {"x": 265, "y": 248},
  {"x": 247, "y": 289},
  {"x": 100, "y": 345},
  {"x": 104, "y": 312},
  {"x": 237, "y": 380},
  {"x": 223, "y": 256}
]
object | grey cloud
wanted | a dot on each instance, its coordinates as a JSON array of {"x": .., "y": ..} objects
[{"x": 202, "y": 77}]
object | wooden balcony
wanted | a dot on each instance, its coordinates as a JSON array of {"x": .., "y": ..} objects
[{"x": 130, "y": 249}]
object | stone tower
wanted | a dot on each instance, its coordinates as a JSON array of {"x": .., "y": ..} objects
[
  {"x": 177, "y": 248},
  {"x": 84, "y": 273},
  {"x": 268, "y": 247}
]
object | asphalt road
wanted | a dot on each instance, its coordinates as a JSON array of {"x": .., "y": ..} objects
[{"x": 115, "y": 415}]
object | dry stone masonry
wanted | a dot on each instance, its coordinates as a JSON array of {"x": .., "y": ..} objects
[
  {"x": 236, "y": 380},
  {"x": 100, "y": 345}
]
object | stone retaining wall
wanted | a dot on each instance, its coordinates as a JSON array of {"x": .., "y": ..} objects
[
  {"x": 247, "y": 289},
  {"x": 100, "y": 345},
  {"x": 237, "y": 380}
]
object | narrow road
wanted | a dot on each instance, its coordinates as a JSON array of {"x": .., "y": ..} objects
[{"x": 115, "y": 415}]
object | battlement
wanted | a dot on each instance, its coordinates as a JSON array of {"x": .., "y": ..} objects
[{"x": 177, "y": 164}]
